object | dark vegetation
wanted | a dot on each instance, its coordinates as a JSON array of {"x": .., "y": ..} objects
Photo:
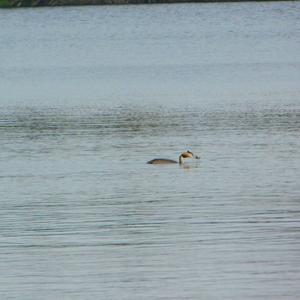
[{"x": 34, "y": 3}]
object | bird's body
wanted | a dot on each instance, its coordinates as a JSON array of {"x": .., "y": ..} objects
[
  {"x": 184, "y": 155},
  {"x": 162, "y": 161}
]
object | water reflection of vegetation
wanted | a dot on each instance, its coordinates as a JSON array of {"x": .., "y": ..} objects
[{"x": 94, "y": 121}]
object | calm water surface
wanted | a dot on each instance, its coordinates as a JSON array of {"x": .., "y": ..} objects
[{"x": 89, "y": 94}]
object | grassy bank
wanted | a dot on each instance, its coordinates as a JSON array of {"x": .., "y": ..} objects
[{"x": 5, "y": 3}]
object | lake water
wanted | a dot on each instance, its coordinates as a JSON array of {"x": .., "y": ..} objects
[{"x": 89, "y": 94}]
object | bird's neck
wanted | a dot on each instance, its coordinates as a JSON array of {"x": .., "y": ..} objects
[{"x": 181, "y": 159}]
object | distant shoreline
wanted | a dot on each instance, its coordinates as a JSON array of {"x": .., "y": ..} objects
[{"x": 40, "y": 3}]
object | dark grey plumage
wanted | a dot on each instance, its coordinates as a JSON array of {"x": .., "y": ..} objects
[
  {"x": 162, "y": 161},
  {"x": 184, "y": 155}
]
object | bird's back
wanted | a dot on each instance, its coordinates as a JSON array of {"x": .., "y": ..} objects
[{"x": 162, "y": 161}]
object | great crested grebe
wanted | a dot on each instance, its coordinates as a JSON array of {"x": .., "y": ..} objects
[{"x": 182, "y": 157}]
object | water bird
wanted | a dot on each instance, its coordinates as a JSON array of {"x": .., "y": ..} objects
[{"x": 182, "y": 157}]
